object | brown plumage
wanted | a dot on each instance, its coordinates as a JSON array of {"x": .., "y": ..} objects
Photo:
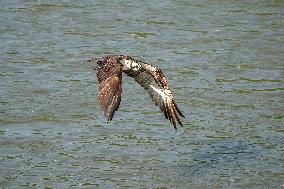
[{"x": 109, "y": 74}]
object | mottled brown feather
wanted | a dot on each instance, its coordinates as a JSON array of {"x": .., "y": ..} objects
[
  {"x": 110, "y": 87},
  {"x": 152, "y": 80}
]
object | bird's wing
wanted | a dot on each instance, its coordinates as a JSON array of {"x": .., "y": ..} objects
[
  {"x": 154, "y": 82},
  {"x": 110, "y": 88}
]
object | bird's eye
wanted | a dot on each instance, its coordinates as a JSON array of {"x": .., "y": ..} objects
[{"x": 99, "y": 62}]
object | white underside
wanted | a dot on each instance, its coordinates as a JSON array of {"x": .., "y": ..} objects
[{"x": 160, "y": 92}]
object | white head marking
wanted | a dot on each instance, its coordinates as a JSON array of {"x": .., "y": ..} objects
[
  {"x": 135, "y": 66},
  {"x": 130, "y": 64}
]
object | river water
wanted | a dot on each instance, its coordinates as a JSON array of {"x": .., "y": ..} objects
[{"x": 224, "y": 61}]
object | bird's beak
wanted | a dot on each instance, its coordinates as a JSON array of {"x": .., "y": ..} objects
[{"x": 93, "y": 60}]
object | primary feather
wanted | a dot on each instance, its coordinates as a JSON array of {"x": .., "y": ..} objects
[{"x": 109, "y": 75}]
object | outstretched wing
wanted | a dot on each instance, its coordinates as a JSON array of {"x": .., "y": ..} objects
[
  {"x": 154, "y": 82},
  {"x": 110, "y": 88}
]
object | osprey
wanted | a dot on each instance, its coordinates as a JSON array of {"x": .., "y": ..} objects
[{"x": 109, "y": 73}]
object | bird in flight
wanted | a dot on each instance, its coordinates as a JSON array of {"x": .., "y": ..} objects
[{"x": 109, "y": 73}]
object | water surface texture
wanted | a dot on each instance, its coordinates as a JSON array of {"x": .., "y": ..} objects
[{"x": 224, "y": 62}]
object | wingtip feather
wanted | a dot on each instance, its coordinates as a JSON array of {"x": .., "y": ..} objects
[{"x": 176, "y": 107}]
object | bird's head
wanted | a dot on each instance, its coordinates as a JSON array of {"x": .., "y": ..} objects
[{"x": 129, "y": 63}]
